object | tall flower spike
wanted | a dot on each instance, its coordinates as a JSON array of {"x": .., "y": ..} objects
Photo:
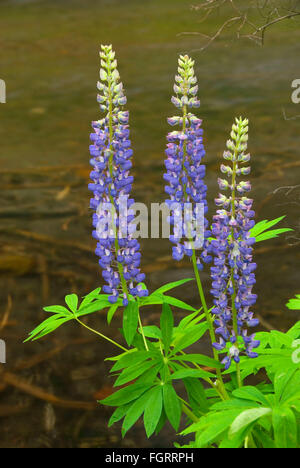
[
  {"x": 233, "y": 270},
  {"x": 185, "y": 170},
  {"x": 111, "y": 154}
]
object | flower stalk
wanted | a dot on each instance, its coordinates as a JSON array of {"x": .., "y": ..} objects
[{"x": 233, "y": 270}]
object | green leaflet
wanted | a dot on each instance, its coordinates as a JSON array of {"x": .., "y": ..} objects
[
  {"x": 252, "y": 394},
  {"x": 195, "y": 373},
  {"x": 213, "y": 426},
  {"x": 246, "y": 418},
  {"x": 173, "y": 285},
  {"x": 118, "y": 414},
  {"x": 281, "y": 380},
  {"x": 190, "y": 320},
  {"x": 111, "y": 312},
  {"x": 190, "y": 337},
  {"x": 166, "y": 326},
  {"x": 271, "y": 234},
  {"x": 294, "y": 304},
  {"x": 153, "y": 410},
  {"x": 130, "y": 358},
  {"x": 48, "y": 326},
  {"x": 200, "y": 359},
  {"x": 90, "y": 297},
  {"x": 57, "y": 309},
  {"x": 263, "y": 439},
  {"x": 130, "y": 321},
  {"x": 172, "y": 405},
  {"x": 134, "y": 412},
  {"x": 285, "y": 427},
  {"x": 72, "y": 302},
  {"x": 132, "y": 372},
  {"x": 261, "y": 231},
  {"x": 197, "y": 397},
  {"x": 159, "y": 298},
  {"x": 125, "y": 395},
  {"x": 152, "y": 331}
]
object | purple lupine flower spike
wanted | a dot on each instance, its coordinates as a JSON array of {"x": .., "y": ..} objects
[
  {"x": 232, "y": 273},
  {"x": 111, "y": 154},
  {"x": 185, "y": 170}
]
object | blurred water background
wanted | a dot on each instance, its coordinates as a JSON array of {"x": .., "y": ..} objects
[{"x": 49, "y": 61}]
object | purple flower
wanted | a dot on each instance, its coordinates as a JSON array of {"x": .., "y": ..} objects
[
  {"x": 185, "y": 171},
  {"x": 233, "y": 268},
  {"x": 111, "y": 153}
]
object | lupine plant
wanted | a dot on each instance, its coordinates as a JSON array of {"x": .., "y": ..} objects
[{"x": 215, "y": 406}]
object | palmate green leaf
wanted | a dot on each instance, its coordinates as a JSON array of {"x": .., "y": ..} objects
[
  {"x": 153, "y": 410},
  {"x": 294, "y": 304},
  {"x": 172, "y": 405},
  {"x": 166, "y": 326},
  {"x": 130, "y": 321},
  {"x": 246, "y": 418},
  {"x": 285, "y": 427},
  {"x": 63, "y": 315}
]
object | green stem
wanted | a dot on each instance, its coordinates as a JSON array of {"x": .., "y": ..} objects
[
  {"x": 143, "y": 334},
  {"x": 100, "y": 334},
  {"x": 189, "y": 413},
  {"x": 210, "y": 325}
]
